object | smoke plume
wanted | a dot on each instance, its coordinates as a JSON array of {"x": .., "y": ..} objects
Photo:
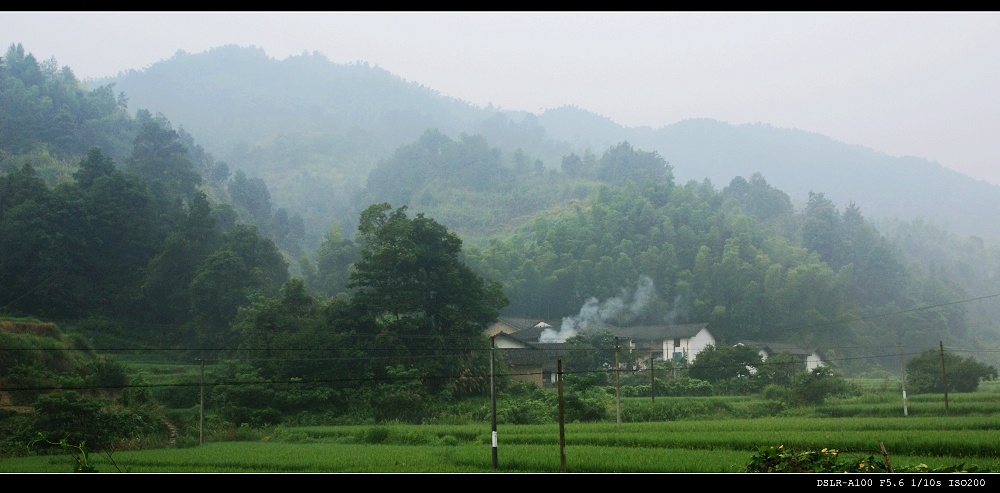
[{"x": 595, "y": 314}]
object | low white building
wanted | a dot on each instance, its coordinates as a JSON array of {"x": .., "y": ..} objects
[
  {"x": 672, "y": 342},
  {"x": 810, "y": 358}
]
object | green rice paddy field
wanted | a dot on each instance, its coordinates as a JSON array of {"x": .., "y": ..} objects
[{"x": 696, "y": 446}]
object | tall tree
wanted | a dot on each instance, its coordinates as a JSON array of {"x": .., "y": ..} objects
[
  {"x": 821, "y": 228},
  {"x": 624, "y": 163},
  {"x": 160, "y": 158},
  {"x": 411, "y": 282},
  {"x": 93, "y": 167}
]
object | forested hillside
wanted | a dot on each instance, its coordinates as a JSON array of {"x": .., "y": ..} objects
[
  {"x": 135, "y": 222},
  {"x": 340, "y": 266},
  {"x": 313, "y": 129},
  {"x": 142, "y": 233},
  {"x": 905, "y": 188}
]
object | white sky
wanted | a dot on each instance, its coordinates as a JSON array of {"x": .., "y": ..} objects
[{"x": 919, "y": 84}]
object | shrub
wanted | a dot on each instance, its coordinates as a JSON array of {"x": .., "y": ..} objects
[
  {"x": 67, "y": 415},
  {"x": 522, "y": 411},
  {"x": 780, "y": 459},
  {"x": 923, "y": 373},
  {"x": 813, "y": 388},
  {"x": 592, "y": 405}
]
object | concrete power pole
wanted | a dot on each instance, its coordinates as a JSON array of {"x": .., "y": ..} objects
[
  {"x": 902, "y": 372},
  {"x": 562, "y": 420},
  {"x": 493, "y": 398},
  {"x": 618, "y": 388}
]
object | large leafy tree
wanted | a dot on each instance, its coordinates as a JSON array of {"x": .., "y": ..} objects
[
  {"x": 412, "y": 286},
  {"x": 159, "y": 157},
  {"x": 410, "y": 268},
  {"x": 717, "y": 363},
  {"x": 924, "y": 373},
  {"x": 333, "y": 260},
  {"x": 623, "y": 163}
]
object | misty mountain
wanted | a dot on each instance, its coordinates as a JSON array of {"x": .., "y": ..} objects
[
  {"x": 232, "y": 96},
  {"x": 739, "y": 256},
  {"x": 306, "y": 124},
  {"x": 799, "y": 162}
]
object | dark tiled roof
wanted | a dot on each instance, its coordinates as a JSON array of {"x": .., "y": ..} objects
[
  {"x": 659, "y": 332},
  {"x": 522, "y": 323},
  {"x": 543, "y": 355},
  {"x": 529, "y": 330},
  {"x": 779, "y": 347}
]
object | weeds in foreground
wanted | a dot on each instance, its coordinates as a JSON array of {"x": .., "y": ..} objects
[
  {"x": 81, "y": 456},
  {"x": 780, "y": 459}
]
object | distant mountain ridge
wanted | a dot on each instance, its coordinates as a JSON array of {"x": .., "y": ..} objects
[
  {"x": 798, "y": 162},
  {"x": 233, "y": 98},
  {"x": 230, "y": 96}
]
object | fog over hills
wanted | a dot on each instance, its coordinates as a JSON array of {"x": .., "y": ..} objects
[
  {"x": 233, "y": 99},
  {"x": 799, "y": 162}
]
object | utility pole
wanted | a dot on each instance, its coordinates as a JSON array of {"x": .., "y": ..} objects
[
  {"x": 618, "y": 388},
  {"x": 944, "y": 379},
  {"x": 652, "y": 379},
  {"x": 562, "y": 420},
  {"x": 201, "y": 410},
  {"x": 902, "y": 372},
  {"x": 493, "y": 398}
]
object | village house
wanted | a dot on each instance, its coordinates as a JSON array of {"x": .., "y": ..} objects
[
  {"x": 810, "y": 358},
  {"x": 680, "y": 343},
  {"x": 530, "y": 359}
]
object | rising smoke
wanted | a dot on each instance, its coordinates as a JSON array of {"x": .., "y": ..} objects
[{"x": 595, "y": 314}]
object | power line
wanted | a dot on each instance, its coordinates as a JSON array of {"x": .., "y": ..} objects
[{"x": 899, "y": 312}]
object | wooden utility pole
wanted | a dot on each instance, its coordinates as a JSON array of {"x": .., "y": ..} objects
[
  {"x": 201, "y": 410},
  {"x": 652, "y": 379},
  {"x": 885, "y": 455},
  {"x": 493, "y": 398},
  {"x": 944, "y": 379},
  {"x": 618, "y": 388},
  {"x": 562, "y": 420}
]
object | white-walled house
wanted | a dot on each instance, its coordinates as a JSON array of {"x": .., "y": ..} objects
[
  {"x": 530, "y": 359},
  {"x": 671, "y": 342},
  {"x": 810, "y": 358}
]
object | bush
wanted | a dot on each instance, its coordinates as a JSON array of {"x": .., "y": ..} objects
[
  {"x": 717, "y": 363},
  {"x": 681, "y": 387},
  {"x": 593, "y": 405},
  {"x": 81, "y": 419},
  {"x": 780, "y": 459},
  {"x": 775, "y": 392},
  {"x": 813, "y": 388},
  {"x": 523, "y": 411},
  {"x": 923, "y": 373},
  {"x": 738, "y": 386}
]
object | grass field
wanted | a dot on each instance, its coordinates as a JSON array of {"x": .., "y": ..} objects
[
  {"x": 714, "y": 434},
  {"x": 698, "y": 446}
]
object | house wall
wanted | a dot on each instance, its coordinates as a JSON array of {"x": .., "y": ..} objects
[
  {"x": 499, "y": 327},
  {"x": 698, "y": 343},
  {"x": 508, "y": 343},
  {"x": 813, "y": 361},
  {"x": 527, "y": 374},
  {"x": 689, "y": 346}
]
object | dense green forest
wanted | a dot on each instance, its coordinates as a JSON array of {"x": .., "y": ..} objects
[
  {"x": 314, "y": 129},
  {"x": 125, "y": 229},
  {"x": 105, "y": 214}
]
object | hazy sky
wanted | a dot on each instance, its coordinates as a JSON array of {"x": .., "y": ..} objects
[{"x": 919, "y": 84}]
